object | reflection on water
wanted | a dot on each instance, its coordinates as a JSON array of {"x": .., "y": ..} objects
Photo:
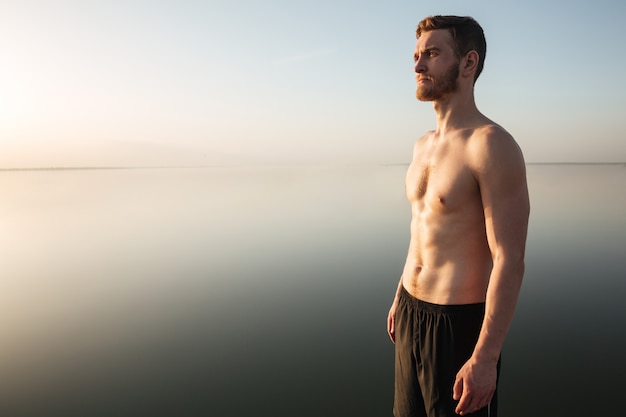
[{"x": 241, "y": 291}]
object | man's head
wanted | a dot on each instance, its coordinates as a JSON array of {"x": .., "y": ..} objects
[{"x": 467, "y": 35}]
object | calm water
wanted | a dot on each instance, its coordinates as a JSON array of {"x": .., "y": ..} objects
[{"x": 245, "y": 292}]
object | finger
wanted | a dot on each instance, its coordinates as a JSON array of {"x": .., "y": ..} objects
[
  {"x": 485, "y": 400},
  {"x": 463, "y": 406},
  {"x": 477, "y": 402},
  {"x": 391, "y": 329},
  {"x": 457, "y": 390},
  {"x": 464, "y": 402},
  {"x": 481, "y": 398}
]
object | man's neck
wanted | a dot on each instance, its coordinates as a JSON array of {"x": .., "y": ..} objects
[{"x": 458, "y": 111}]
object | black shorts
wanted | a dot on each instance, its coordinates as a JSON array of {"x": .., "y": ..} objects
[{"x": 432, "y": 343}]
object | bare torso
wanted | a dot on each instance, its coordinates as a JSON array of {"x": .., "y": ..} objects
[{"x": 449, "y": 260}]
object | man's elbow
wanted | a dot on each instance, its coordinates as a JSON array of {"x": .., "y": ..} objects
[{"x": 511, "y": 261}]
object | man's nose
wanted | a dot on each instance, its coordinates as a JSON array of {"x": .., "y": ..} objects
[{"x": 419, "y": 66}]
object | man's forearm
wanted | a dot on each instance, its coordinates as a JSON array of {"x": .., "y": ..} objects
[
  {"x": 502, "y": 294},
  {"x": 399, "y": 289}
]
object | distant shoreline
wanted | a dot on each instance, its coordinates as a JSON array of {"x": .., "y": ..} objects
[
  {"x": 105, "y": 168},
  {"x": 575, "y": 163}
]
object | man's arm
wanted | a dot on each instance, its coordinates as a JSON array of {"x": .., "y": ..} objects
[
  {"x": 391, "y": 317},
  {"x": 501, "y": 175}
]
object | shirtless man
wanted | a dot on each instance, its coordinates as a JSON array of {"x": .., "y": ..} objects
[{"x": 469, "y": 201}]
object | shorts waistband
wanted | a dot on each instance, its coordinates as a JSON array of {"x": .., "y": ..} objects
[{"x": 442, "y": 308}]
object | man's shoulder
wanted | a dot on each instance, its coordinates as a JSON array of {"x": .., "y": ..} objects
[
  {"x": 425, "y": 136},
  {"x": 490, "y": 132},
  {"x": 422, "y": 140},
  {"x": 491, "y": 140}
]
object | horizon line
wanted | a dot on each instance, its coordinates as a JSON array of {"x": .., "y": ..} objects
[{"x": 123, "y": 167}]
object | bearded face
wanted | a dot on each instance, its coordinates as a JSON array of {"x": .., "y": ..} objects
[{"x": 437, "y": 87}]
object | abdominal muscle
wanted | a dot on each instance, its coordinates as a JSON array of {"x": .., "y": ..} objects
[{"x": 449, "y": 260}]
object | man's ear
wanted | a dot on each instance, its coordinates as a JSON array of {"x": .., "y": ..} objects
[{"x": 470, "y": 63}]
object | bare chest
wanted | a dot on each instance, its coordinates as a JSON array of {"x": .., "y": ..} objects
[{"x": 443, "y": 181}]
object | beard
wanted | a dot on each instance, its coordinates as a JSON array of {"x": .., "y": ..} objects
[{"x": 441, "y": 86}]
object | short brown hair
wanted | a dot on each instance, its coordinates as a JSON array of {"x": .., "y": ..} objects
[{"x": 466, "y": 34}]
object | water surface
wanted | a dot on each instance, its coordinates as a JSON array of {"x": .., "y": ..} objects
[{"x": 264, "y": 291}]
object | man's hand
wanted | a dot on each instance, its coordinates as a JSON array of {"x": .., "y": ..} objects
[
  {"x": 474, "y": 386},
  {"x": 391, "y": 321}
]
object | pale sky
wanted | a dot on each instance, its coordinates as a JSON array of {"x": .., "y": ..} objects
[{"x": 120, "y": 83}]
